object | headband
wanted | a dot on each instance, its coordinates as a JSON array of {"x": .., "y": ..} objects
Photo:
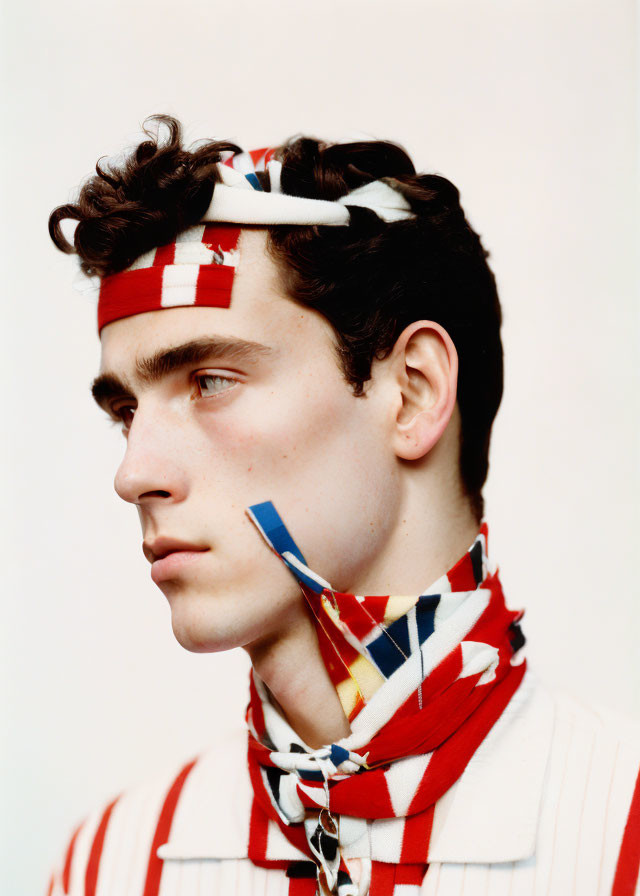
[{"x": 198, "y": 267}]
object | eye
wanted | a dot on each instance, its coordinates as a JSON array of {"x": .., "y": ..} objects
[
  {"x": 124, "y": 414},
  {"x": 209, "y": 384}
]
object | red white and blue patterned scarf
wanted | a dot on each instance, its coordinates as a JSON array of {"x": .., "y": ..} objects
[{"x": 422, "y": 679}]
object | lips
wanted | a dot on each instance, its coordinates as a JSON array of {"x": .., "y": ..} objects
[
  {"x": 164, "y": 545},
  {"x": 175, "y": 565}
]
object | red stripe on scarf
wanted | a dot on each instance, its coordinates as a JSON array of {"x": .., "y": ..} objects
[
  {"x": 330, "y": 656},
  {"x": 491, "y": 624},
  {"x": 448, "y": 763},
  {"x": 154, "y": 868},
  {"x": 93, "y": 865},
  {"x": 345, "y": 651},
  {"x": 461, "y": 577},
  {"x": 425, "y": 729},
  {"x": 416, "y": 838},
  {"x": 358, "y": 616},
  {"x": 437, "y": 721},
  {"x": 436, "y": 682},
  {"x": 367, "y": 798},
  {"x": 262, "y": 806},
  {"x": 628, "y": 865}
]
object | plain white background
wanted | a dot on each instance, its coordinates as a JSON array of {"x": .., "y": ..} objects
[{"x": 529, "y": 107}]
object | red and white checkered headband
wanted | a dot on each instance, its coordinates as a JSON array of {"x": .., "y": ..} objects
[{"x": 198, "y": 268}]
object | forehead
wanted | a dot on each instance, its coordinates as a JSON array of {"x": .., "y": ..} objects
[{"x": 259, "y": 311}]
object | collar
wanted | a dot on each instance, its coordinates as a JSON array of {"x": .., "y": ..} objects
[{"x": 489, "y": 815}]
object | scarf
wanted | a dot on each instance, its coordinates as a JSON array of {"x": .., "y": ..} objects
[{"x": 422, "y": 679}]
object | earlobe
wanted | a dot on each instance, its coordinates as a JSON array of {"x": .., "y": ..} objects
[{"x": 425, "y": 367}]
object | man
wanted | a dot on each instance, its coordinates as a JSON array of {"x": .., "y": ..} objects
[{"x": 307, "y": 429}]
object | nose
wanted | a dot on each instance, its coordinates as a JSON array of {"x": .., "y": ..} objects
[{"x": 153, "y": 467}]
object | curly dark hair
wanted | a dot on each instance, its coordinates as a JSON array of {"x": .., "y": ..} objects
[{"x": 370, "y": 279}]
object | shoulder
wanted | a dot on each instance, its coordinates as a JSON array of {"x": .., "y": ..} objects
[
  {"x": 116, "y": 844},
  {"x": 593, "y": 738},
  {"x": 594, "y": 714},
  {"x": 590, "y": 813},
  {"x": 551, "y": 794}
]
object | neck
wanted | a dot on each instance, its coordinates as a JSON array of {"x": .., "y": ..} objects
[{"x": 292, "y": 668}]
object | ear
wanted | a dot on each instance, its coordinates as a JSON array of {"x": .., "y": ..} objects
[{"x": 424, "y": 371}]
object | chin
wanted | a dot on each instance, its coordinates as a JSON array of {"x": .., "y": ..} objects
[
  {"x": 194, "y": 631},
  {"x": 201, "y": 627}
]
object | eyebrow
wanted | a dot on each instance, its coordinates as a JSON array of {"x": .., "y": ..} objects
[{"x": 107, "y": 386}]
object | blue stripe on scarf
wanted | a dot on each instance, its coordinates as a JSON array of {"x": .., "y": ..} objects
[
  {"x": 276, "y": 531},
  {"x": 392, "y": 647}
]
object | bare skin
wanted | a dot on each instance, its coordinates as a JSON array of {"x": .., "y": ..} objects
[{"x": 369, "y": 487}]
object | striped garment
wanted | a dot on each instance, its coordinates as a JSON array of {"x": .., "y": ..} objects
[
  {"x": 567, "y": 824},
  {"x": 547, "y": 803}
]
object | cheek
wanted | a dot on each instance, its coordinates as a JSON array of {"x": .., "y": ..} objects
[
  {"x": 316, "y": 454},
  {"x": 274, "y": 436}
]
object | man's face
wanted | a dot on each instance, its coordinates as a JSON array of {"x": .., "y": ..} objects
[{"x": 208, "y": 438}]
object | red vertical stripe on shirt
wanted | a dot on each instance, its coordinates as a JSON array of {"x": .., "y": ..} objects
[
  {"x": 626, "y": 878},
  {"x": 413, "y": 875},
  {"x": 302, "y": 886},
  {"x": 383, "y": 879},
  {"x": 66, "y": 871},
  {"x": 154, "y": 868},
  {"x": 93, "y": 865},
  {"x": 258, "y": 832}
]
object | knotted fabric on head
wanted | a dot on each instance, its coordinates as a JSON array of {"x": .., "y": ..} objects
[
  {"x": 199, "y": 266},
  {"x": 422, "y": 679}
]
